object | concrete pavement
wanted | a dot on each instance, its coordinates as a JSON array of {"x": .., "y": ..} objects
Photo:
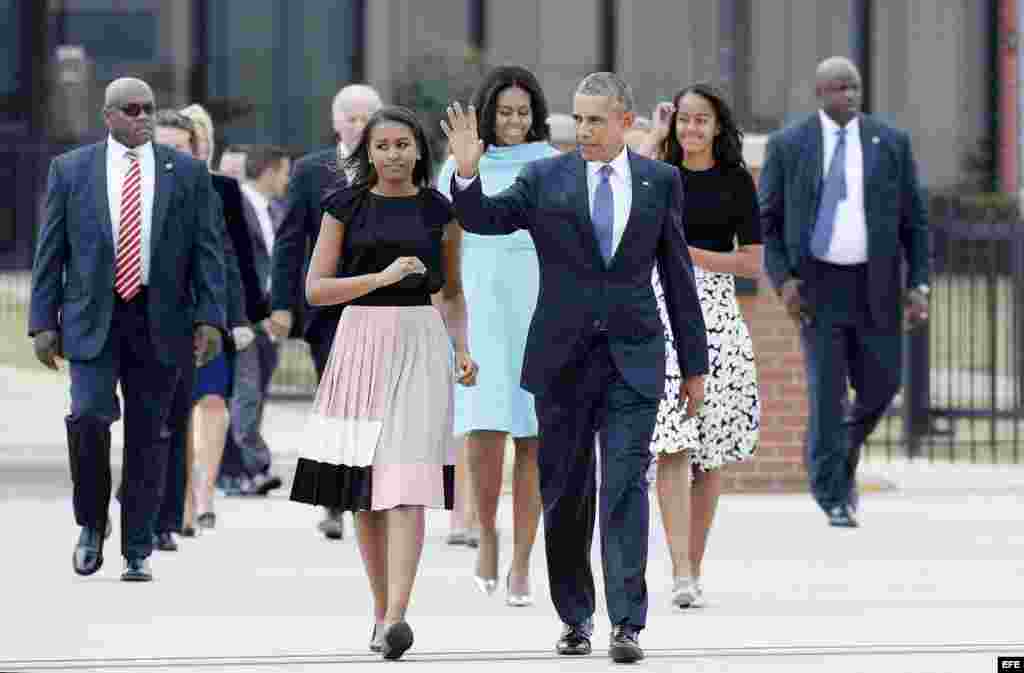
[{"x": 932, "y": 582}]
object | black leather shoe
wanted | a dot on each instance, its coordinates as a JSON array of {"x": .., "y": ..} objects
[
  {"x": 262, "y": 484},
  {"x": 333, "y": 525},
  {"x": 842, "y": 516},
  {"x": 88, "y": 556},
  {"x": 575, "y": 639},
  {"x": 397, "y": 639},
  {"x": 625, "y": 646},
  {"x": 137, "y": 570},
  {"x": 165, "y": 542}
]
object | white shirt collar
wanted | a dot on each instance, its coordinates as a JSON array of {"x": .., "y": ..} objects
[
  {"x": 830, "y": 126},
  {"x": 343, "y": 151},
  {"x": 620, "y": 164},
  {"x": 261, "y": 202},
  {"x": 118, "y": 150}
]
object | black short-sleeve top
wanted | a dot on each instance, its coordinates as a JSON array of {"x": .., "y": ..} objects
[
  {"x": 720, "y": 207},
  {"x": 380, "y": 229}
]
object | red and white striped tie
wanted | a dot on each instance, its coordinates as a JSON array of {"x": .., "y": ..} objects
[{"x": 128, "y": 277}]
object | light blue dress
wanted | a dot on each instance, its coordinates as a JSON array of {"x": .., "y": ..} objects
[{"x": 500, "y": 277}]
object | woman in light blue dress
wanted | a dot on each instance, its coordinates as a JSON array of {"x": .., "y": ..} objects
[{"x": 500, "y": 280}]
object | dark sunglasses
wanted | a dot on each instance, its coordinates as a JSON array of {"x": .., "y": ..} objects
[{"x": 135, "y": 109}]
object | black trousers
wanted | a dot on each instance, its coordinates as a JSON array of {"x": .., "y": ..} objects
[
  {"x": 592, "y": 397},
  {"x": 172, "y": 503},
  {"x": 128, "y": 357},
  {"x": 843, "y": 349}
]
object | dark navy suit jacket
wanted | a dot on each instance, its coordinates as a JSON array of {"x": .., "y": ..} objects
[
  {"x": 579, "y": 295},
  {"x": 296, "y": 237},
  {"x": 73, "y": 273},
  {"x": 790, "y": 190},
  {"x": 246, "y": 300}
]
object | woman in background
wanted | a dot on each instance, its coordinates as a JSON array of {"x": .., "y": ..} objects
[
  {"x": 697, "y": 133},
  {"x": 501, "y": 283}
]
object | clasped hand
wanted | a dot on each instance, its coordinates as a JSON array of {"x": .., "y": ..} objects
[{"x": 399, "y": 269}]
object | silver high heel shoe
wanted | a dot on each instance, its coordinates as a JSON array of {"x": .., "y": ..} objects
[
  {"x": 486, "y": 586},
  {"x": 377, "y": 638},
  {"x": 516, "y": 600}
]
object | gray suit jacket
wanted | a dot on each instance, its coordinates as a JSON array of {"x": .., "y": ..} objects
[
  {"x": 73, "y": 272},
  {"x": 790, "y": 190}
]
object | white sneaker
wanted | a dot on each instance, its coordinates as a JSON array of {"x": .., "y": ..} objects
[{"x": 683, "y": 594}]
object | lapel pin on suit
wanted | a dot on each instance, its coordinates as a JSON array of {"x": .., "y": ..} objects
[
  {"x": 168, "y": 166},
  {"x": 645, "y": 183},
  {"x": 874, "y": 140}
]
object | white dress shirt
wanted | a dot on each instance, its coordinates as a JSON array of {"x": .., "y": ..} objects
[
  {"x": 117, "y": 169},
  {"x": 849, "y": 243},
  {"x": 622, "y": 192}
]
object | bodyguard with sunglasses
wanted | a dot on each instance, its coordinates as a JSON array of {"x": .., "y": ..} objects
[{"x": 128, "y": 278}]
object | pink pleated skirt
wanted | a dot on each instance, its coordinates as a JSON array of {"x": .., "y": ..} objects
[{"x": 380, "y": 431}]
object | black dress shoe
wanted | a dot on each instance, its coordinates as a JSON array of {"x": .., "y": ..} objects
[
  {"x": 842, "y": 516},
  {"x": 165, "y": 542},
  {"x": 625, "y": 646},
  {"x": 575, "y": 639},
  {"x": 88, "y": 556},
  {"x": 137, "y": 570},
  {"x": 262, "y": 484},
  {"x": 397, "y": 639}
]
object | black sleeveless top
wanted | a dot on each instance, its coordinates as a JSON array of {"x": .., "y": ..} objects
[{"x": 380, "y": 229}]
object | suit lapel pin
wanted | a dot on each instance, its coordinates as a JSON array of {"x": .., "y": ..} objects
[
  {"x": 645, "y": 183},
  {"x": 168, "y": 166},
  {"x": 874, "y": 140}
]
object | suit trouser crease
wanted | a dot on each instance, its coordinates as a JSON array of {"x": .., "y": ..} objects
[
  {"x": 147, "y": 385},
  {"x": 844, "y": 349},
  {"x": 590, "y": 397},
  {"x": 254, "y": 368},
  {"x": 175, "y": 433}
]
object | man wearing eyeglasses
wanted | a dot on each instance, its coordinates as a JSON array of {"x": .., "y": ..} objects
[{"x": 128, "y": 278}]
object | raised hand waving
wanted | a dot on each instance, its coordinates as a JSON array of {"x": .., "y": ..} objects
[{"x": 463, "y": 140}]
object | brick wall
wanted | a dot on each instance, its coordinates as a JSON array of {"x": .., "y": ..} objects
[{"x": 778, "y": 463}]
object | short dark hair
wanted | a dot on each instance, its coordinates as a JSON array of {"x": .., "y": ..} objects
[
  {"x": 261, "y": 158},
  {"x": 358, "y": 163},
  {"x": 172, "y": 119},
  {"x": 485, "y": 100}
]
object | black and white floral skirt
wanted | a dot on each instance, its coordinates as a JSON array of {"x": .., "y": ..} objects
[{"x": 727, "y": 428}]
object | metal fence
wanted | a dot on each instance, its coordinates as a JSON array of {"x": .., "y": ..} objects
[{"x": 963, "y": 394}]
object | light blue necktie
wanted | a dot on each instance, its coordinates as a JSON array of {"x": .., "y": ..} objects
[
  {"x": 833, "y": 192},
  {"x": 603, "y": 215}
]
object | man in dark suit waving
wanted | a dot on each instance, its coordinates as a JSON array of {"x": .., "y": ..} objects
[
  {"x": 595, "y": 359},
  {"x": 841, "y": 210},
  {"x": 128, "y": 278}
]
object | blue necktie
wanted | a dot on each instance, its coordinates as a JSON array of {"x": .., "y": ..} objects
[
  {"x": 832, "y": 194},
  {"x": 603, "y": 215}
]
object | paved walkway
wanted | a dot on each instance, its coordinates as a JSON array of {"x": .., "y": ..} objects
[{"x": 932, "y": 582}]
